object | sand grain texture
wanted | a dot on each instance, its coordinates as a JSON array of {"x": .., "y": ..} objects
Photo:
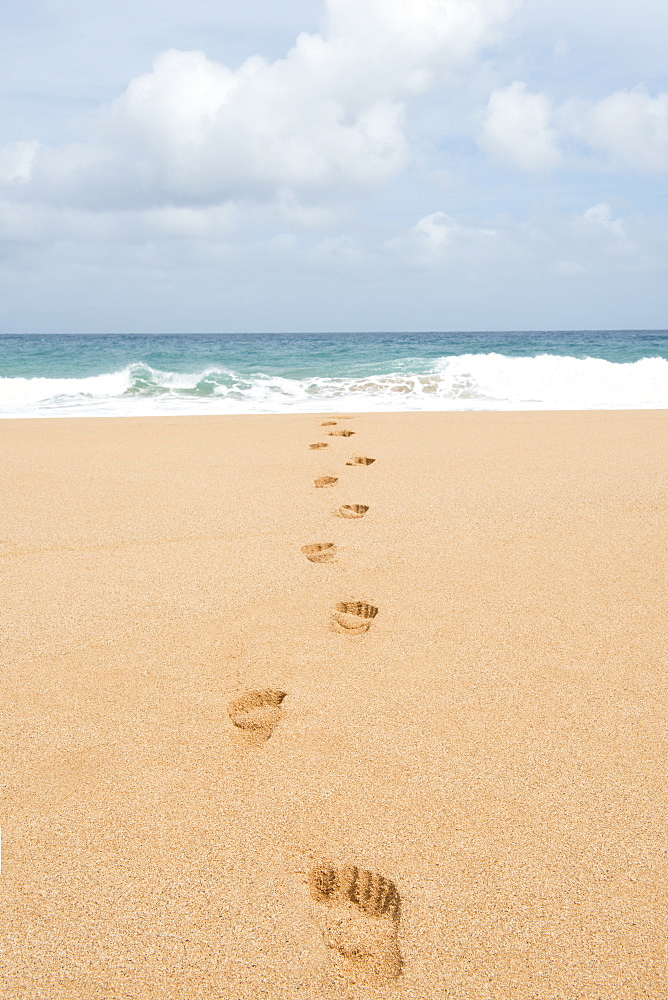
[{"x": 494, "y": 746}]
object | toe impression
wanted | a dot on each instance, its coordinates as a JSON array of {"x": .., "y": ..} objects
[
  {"x": 354, "y": 617},
  {"x": 353, "y": 510}
]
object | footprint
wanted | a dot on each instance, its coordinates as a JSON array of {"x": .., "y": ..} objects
[
  {"x": 360, "y": 919},
  {"x": 257, "y": 713},
  {"x": 320, "y": 552},
  {"x": 326, "y": 481},
  {"x": 354, "y": 617},
  {"x": 345, "y": 433},
  {"x": 318, "y": 444},
  {"x": 361, "y": 460},
  {"x": 353, "y": 510},
  {"x": 329, "y": 423}
]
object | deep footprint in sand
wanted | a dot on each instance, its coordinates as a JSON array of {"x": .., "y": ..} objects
[
  {"x": 352, "y": 510},
  {"x": 325, "y": 481},
  {"x": 354, "y": 617},
  {"x": 345, "y": 433},
  {"x": 359, "y": 919},
  {"x": 361, "y": 460},
  {"x": 320, "y": 552},
  {"x": 257, "y": 713},
  {"x": 318, "y": 444},
  {"x": 329, "y": 423}
]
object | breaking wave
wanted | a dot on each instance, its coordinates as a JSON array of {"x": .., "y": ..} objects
[{"x": 461, "y": 382}]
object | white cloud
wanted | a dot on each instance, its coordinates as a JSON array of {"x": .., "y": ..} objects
[
  {"x": 326, "y": 119},
  {"x": 16, "y": 161},
  {"x": 517, "y": 128},
  {"x": 193, "y": 131},
  {"x": 27, "y": 224},
  {"x": 438, "y": 239},
  {"x": 591, "y": 242},
  {"x": 598, "y": 220},
  {"x": 629, "y": 127},
  {"x": 601, "y": 235},
  {"x": 410, "y": 35}
]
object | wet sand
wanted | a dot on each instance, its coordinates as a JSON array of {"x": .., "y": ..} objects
[{"x": 425, "y": 758}]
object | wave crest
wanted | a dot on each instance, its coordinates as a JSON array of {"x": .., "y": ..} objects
[{"x": 466, "y": 381}]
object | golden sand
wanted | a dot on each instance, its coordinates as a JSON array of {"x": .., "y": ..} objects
[{"x": 403, "y": 737}]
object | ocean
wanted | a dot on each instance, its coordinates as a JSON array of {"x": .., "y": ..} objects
[{"x": 139, "y": 375}]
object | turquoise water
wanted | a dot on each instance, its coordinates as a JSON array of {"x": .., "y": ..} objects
[{"x": 262, "y": 373}]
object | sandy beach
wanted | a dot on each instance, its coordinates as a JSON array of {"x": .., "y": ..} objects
[{"x": 427, "y": 760}]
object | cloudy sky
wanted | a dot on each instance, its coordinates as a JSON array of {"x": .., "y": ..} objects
[{"x": 213, "y": 165}]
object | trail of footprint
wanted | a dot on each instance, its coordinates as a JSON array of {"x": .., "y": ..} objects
[
  {"x": 257, "y": 713},
  {"x": 360, "y": 918},
  {"x": 360, "y": 909},
  {"x": 318, "y": 444},
  {"x": 352, "y": 510},
  {"x": 320, "y": 552},
  {"x": 354, "y": 617}
]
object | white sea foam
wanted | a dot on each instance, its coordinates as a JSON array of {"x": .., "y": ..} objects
[
  {"x": 550, "y": 381},
  {"x": 18, "y": 394},
  {"x": 461, "y": 382}
]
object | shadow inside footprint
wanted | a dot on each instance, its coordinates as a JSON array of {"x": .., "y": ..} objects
[
  {"x": 360, "y": 919},
  {"x": 326, "y": 481},
  {"x": 329, "y": 423},
  {"x": 318, "y": 444},
  {"x": 320, "y": 552},
  {"x": 361, "y": 460},
  {"x": 345, "y": 433},
  {"x": 353, "y": 510},
  {"x": 354, "y": 617},
  {"x": 256, "y": 714}
]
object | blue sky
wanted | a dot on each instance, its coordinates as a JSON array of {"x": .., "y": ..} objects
[{"x": 348, "y": 165}]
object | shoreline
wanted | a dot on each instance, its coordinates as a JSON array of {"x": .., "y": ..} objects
[
  {"x": 492, "y": 745},
  {"x": 334, "y": 412}
]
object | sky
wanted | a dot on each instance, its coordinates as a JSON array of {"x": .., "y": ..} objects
[{"x": 324, "y": 165}]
